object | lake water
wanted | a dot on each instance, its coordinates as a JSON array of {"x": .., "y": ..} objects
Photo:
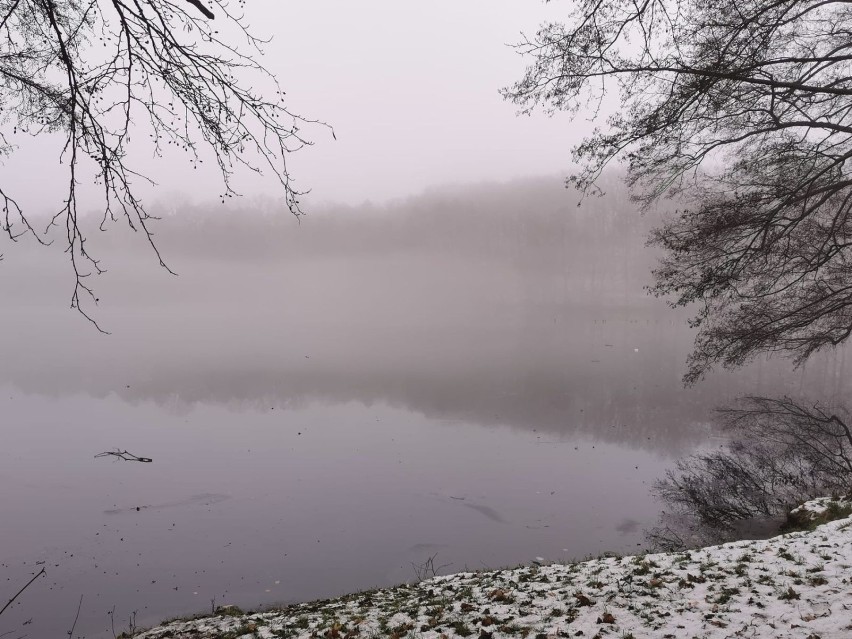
[{"x": 327, "y": 421}]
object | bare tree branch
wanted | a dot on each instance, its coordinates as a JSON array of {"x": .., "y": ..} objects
[
  {"x": 98, "y": 72},
  {"x": 739, "y": 112},
  {"x": 207, "y": 13}
]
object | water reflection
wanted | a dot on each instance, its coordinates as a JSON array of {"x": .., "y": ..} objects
[
  {"x": 779, "y": 452},
  {"x": 499, "y": 306},
  {"x": 475, "y": 373},
  {"x": 252, "y": 507},
  {"x": 204, "y": 499}
]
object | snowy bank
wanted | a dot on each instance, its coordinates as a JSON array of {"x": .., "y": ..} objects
[{"x": 795, "y": 585}]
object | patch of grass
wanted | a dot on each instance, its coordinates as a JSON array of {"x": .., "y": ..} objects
[
  {"x": 789, "y": 594},
  {"x": 725, "y": 595},
  {"x": 240, "y": 631},
  {"x": 461, "y": 628},
  {"x": 785, "y": 554},
  {"x": 805, "y": 520},
  {"x": 302, "y": 622}
]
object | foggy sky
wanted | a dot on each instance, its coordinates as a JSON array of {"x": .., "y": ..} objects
[{"x": 412, "y": 90}]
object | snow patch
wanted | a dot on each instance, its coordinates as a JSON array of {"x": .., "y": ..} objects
[{"x": 794, "y": 585}]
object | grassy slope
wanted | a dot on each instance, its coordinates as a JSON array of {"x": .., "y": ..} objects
[{"x": 794, "y": 585}]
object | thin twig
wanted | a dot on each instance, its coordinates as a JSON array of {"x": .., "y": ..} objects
[
  {"x": 111, "y": 614},
  {"x": 125, "y": 455},
  {"x": 76, "y": 617},
  {"x": 427, "y": 569},
  {"x": 38, "y": 574}
]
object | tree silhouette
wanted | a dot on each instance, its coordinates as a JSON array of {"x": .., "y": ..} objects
[
  {"x": 97, "y": 71},
  {"x": 739, "y": 111}
]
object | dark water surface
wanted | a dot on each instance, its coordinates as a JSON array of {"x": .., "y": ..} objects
[
  {"x": 255, "y": 507},
  {"x": 323, "y": 421}
]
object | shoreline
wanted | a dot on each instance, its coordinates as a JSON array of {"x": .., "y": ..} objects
[{"x": 795, "y": 585}]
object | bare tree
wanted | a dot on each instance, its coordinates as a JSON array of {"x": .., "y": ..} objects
[
  {"x": 183, "y": 72},
  {"x": 740, "y": 111},
  {"x": 780, "y": 453}
]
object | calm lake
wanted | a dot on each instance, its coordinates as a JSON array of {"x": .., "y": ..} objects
[{"x": 330, "y": 405}]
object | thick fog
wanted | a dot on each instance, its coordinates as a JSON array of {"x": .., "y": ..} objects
[
  {"x": 498, "y": 304},
  {"x": 473, "y": 371}
]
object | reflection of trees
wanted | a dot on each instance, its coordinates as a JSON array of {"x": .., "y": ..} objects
[
  {"x": 557, "y": 405},
  {"x": 633, "y": 401},
  {"x": 529, "y": 314},
  {"x": 780, "y": 453}
]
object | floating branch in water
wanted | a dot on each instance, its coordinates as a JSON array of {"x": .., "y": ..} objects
[
  {"x": 123, "y": 454},
  {"x": 17, "y": 594}
]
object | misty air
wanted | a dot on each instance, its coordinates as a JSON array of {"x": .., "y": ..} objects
[{"x": 487, "y": 320}]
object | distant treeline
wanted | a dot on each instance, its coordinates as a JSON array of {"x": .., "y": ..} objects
[
  {"x": 536, "y": 226},
  {"x": 491, "y": 219}
]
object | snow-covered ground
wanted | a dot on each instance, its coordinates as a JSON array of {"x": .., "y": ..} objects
[{"x": 795, "y": 585}]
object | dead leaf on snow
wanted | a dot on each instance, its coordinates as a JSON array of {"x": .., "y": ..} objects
[{"x": 583, "y": 600}]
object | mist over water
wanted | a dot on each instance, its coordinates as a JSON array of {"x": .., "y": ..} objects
[{"x": 474, "y": 372}]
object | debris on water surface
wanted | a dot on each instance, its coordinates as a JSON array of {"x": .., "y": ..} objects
[{"x": 124, "y": 455}]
